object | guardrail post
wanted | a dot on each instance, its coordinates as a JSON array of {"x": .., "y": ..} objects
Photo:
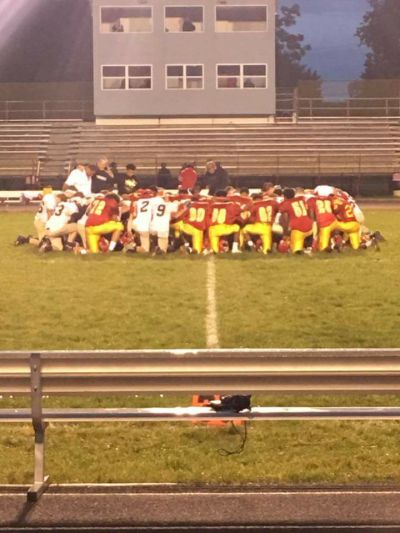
[{"x": 40, "y": 481}]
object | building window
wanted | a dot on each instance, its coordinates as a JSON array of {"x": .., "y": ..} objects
[
  {"x": 121, "y": 77},
  {"x": 241, "y": 18},
  {"x": 184, "y": 77},
  {"x": 139, "y": 76},
  {"x": 183, "y": 19},
  {"x": 137, "y": 19},
  {"x": 241, "y": 76}
]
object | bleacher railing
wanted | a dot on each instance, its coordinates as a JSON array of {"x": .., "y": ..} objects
[
  {"x": 288, "y": 104},
  {"x": 93, "y": 373}
]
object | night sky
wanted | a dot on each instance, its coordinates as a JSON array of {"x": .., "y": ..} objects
[{"x": 50, "y": 40}]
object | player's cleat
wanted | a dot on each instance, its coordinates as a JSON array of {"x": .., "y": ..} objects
[
  {"x": 377, "y": 235},
  {"x": 187, "y": 248},
  {"x": 45, "y": 245},
  {"x": 20, "y": 240}
]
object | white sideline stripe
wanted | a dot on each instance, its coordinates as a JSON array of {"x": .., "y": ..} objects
[{"x": 211, "y": 313}]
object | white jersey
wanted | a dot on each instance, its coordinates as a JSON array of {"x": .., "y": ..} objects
[
  {"x": 161, "y": 216},
  {"x": 47, "y": 204},
  {"x": 142, "y": 220},
  {"x": 61, "y": 216}
]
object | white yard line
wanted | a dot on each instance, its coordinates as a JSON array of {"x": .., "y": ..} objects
[{"x": 211, "y": 313}]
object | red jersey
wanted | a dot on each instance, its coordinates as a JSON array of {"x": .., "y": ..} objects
[
  {"x": 264, "y": 211},
  {"x": 343, "y": 210},
  {"x": 102, "y": 210},
  {"x": 296, "y": 210},
  {"x": 225, "y": 213},
  {"x": 198, "y": 214},
  {"x": 321, "y": 206},
  {"x": 187, "y": 177}
]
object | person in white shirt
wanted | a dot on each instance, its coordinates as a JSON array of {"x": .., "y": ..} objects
[
  {"x": 57, "y": 222},
  {"x": 80, "y": 180},
  {"x": 161, "y": 211},
  {"x": 140, "y": 218}
]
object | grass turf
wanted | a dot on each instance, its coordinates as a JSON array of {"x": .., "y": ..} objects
[{"x": 58, "y": 301}]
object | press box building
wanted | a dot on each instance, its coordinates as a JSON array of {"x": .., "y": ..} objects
[{"x": 184, "y": 58}]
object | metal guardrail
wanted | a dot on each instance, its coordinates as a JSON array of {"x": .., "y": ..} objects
[
  {"x": 192, "y": 371},
  {"x": 288, "y": 104}
]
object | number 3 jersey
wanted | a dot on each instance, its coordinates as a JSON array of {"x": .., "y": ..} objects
[{"x": 61, "y": 216}]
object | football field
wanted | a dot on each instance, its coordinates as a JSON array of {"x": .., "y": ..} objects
[{"x": 117, "y": 301}]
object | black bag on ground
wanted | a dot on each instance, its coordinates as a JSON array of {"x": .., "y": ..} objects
[{"x": 235, "y": 403}]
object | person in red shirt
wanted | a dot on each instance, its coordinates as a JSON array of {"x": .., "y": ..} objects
[
  {"x": 187, "y": 178},
  {"x": 262, "y": 216},
  {"x": 347, "y": 220},
  {"x": 295, "y": 220},
  {"x": 103, "y": 218},
  {"x": 320, "y": 208},
  {"x": 224, "y": 220}
]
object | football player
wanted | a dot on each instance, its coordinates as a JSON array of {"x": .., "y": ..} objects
[
  {"x": 262, "y": 216},
  {"x": 295, "y": 220},
  {"x": 103, "y": 218}
]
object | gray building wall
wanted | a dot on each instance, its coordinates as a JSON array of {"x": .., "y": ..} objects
[{"x": 160, "y": 48}]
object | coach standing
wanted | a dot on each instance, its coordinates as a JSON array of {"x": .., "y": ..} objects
[
  {"x": 103, "y": 179},
  {"x": 80, "y": 179}
]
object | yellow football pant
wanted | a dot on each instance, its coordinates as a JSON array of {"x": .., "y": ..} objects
[
  {"x": 177, "y": 227},
  {"x": 93, "y": 233},
  {"x": 197, "y": 236},
  {"x": 264, "y": 231},
  {"x": 219, "y": 230},
  {"x": 297, "y": 239},
  {"x": 353, "y": 230},
  {"x": 324, "y": 236}
]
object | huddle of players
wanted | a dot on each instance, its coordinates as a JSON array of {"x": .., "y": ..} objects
[{"x": 154, "y": 220}]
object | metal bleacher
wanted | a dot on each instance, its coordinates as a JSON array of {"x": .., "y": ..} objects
[
  {"x": 307, "y": 146},
  {"x": 332, "y": 146}
]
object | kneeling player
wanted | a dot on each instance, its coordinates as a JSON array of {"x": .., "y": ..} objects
[
  {"x": 295, "y": 219},
  {"x": 224, "y": 221},
  {"x": 262, "y": 216},
  {"x": 103, "y": 219},
  {"x": 347, "y": 220}
]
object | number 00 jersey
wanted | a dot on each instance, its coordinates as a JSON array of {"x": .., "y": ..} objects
[
  {"x": 198, "y": 214},
  {"x": 102, "y": 210}
]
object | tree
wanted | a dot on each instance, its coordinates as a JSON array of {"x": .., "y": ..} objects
[
  {"x": 380, "y": 31},
  {"x": 290, "y": 50}
]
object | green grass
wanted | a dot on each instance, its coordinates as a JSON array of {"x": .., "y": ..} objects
[
  {"x": 58, "y": 301},
  {"x": 338, "y": 300}
]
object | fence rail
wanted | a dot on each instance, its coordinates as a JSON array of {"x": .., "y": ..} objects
[
  {"x": 191, "y": 371},
  {"x": 288, "y": 104},
  {"x": 46, "y": 110}
]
